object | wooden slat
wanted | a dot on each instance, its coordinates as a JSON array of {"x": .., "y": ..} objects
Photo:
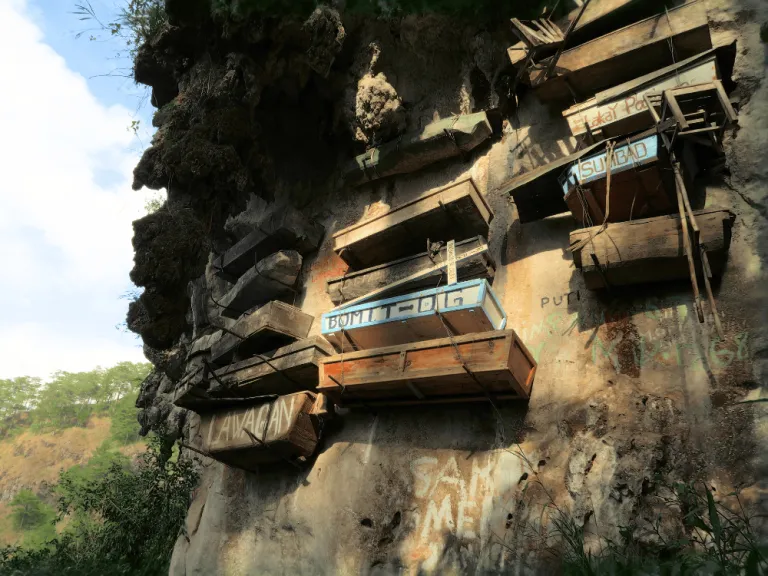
[
  {"x": 454, "y": 212},
  {"x": 384, "y": 278},
  {"x": 292, "y": 368},
  {"x": 497, "y": 363},
  {"x": 284, "y": 427},
  {"x": 627, "y": 53},
  {"x": 650, "y": 249},
  {"x": 286, "y": 229},
  {"x": 269, "y": 327}
]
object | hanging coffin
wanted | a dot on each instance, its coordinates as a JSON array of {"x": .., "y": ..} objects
[
  {"x": 632, "y": 51},
  {"x": 454, "y": 212},
  {"x": 649, "y": 250},
  {"x": 413, "y": 273},
  {"x": 462, "y": 368},
  {"x": 639, "y": 183},
  {"x": 286, "y": 229},
  {"x": 460, "y": 308},
  {"x": 271, "y": 431},
  {"x": 436, "y": 141},
  {"x": 273, "y": 325},
  {"x": 292, "y": 368},
  {"x": 622, "y": 110}
]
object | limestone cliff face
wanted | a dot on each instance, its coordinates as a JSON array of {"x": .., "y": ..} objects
[{"x": 255, "y": 114}]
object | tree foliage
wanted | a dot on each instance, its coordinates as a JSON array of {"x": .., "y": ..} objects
[
  {"x": 71, "y": 398},
  {"x": 123, "y": 519}
]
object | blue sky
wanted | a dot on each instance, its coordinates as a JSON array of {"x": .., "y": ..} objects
[{"x": 66, "y": 203}]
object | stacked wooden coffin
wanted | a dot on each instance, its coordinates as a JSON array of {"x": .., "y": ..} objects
[
  {"x": 653, "y": 112},
  {"x": 414, "y": 327},
  {"x": 255, "y": 391}
]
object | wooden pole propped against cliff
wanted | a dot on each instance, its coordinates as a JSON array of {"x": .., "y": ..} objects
[{"x": 670, "y": 119}]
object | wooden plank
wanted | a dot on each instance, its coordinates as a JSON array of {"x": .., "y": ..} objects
[
  {"x": 487, "y": 363},
  {"x": 285, "y": 426},
  {"x": 270, "y": 278},
  {"x": 286, "y": 229},
  {"x": 440, "y": 140},
  {"x": 273, "y": 325},
  {"x": 599, "y": 14},
  {"x": 456, "y": 211},
  {"x": 650, "y": 249},
  {"x": 412, "y": 273},
  {"x": 628, "y": 112},
  {"x": 292, "y": 368},
  {"x": 634, "y": 50},
  {"x": 461, "y": 308}
]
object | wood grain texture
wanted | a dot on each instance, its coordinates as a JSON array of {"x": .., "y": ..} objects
[
  {"x": 632, "y": 51},
  {"x": 285, "y": 426},
  {"x": 498, "y": 361},
  {"x": 356, "y": 284},
  {"x": 454, "y": 212},
  {"x": 286, "y": 229},
  {"x": 273, "y": 325},
  {"x": 292, "y": 368},
  {"x": 651, "y": 249}
]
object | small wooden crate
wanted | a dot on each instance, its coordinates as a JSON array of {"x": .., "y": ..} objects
[
  {"x": 284, "y": 426},
  {"x": 454, "y": 212},
  {"x": 497, "y": 363},
  {"x": 461, "y": 308}
]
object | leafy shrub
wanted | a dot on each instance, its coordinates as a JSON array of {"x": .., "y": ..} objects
[{"x": 123, "y": 521}]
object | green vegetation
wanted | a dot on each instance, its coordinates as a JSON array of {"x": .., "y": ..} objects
[
  {"x": 121, "y": 519},
  {"x": 33, "y": 518},
  {"x": 71, "y": 398},
  {"x": 718, "y": 539},
  {"x": 137, "y": 21}
]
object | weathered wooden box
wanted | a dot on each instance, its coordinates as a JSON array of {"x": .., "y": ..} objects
[
  {"x": 498, "y": 362},
  {"x": 271, "y": 326},
  {"x": 622, "y": 110},
  {"x": 286, "y": 229},
  {"x": 356, "y": 284},
  {"x": 454, "y": 212},
  {"x": 284, "y": 428},
  {"x": 640, "y": 186},
  {"x": 463, "y": 308},
  {"x": 649, "y": 250},
  {"x": 292, "y": 368},
  {"x": 632, "y": 51}
]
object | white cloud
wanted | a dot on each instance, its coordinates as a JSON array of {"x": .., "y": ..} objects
[{"x": 66, "y": 208}]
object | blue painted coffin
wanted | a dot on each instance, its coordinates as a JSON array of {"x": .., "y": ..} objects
[
  {"x": 625, "y": 157},
  {"x": 462, "y": 308}
]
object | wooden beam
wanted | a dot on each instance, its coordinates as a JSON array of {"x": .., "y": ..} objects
[{"x": 689, "y": 255}]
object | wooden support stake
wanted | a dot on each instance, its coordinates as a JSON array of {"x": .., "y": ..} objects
[
  {"x": 689, "y": 255},
  {"x": 710, "y": 296},
  {"x": 680, "y": 184}
]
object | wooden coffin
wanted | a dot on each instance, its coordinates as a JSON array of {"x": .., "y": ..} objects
[
  {"x": 269, "y": 278},
  {"x": 286, "y": 229},
  {"x": 649, "y": 250},
  {"x": 538, "y": 193},
  {"x": 622, "y": 109},
  {"x": 437, "y": 141},
  {"x": 454, "y": 212},
  {"x": 498, "y": 361},
  {"x": 598, "y": 18},
  {"x": 273, "y": 325},
  {"x": 284, "y": 430},
  {"x": 627, "y": 53},
  {"x": 413, "y": 272},
  {"x": 640, "y": 186},
  {"x": 292, "y": 368},
  {"x": 463, "y": 308},
  {"x": 191, "y": 393}
]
